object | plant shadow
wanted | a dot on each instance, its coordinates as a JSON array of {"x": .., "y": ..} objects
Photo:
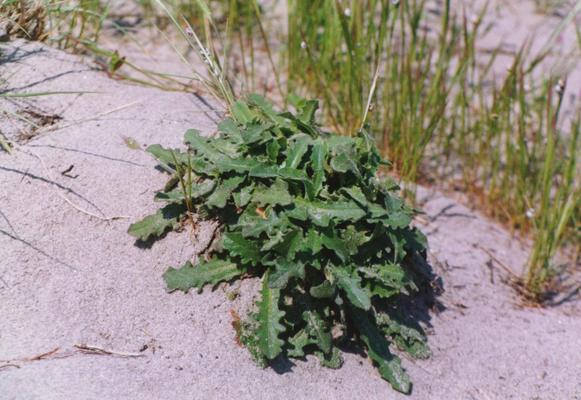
[{"x": 282, "y": 365}]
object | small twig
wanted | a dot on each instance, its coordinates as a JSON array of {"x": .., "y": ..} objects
[
  {"x": 43, "y": 355},
  {"x": 10, "y": 365},
  {"x": 58, "y": 354},
  {"x": 67, "y": 171},
  {"x": 34, "y": 358},
  {"x": 500, "y": 263},
  {"x": 83, "y": 348}
]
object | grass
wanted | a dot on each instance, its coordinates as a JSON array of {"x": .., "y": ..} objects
[
  {"x": 443, "y": 112},
  {"x": 445, "y": 116}
]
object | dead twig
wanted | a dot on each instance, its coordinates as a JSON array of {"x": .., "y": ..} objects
[
  {"x": 506, "y": 269},
  {"x": 83, "y": 348},
  {"x": 43, "y": 355},
  {"x": 10, "y": 365},
  {"x": 56, "y": 353}
]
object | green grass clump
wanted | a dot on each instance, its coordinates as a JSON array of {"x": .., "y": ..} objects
[
  {"x": 303, "y": 210},
  {"x": 441, "y": 110}
]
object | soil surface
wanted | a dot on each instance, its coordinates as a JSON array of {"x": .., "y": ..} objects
[{"x": 85, "y": 314}]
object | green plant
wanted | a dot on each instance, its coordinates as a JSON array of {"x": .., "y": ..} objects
[
  {"x": 304, "y": 210},
  {"x": 442, "y": 111},
  {"x": 556, "y": 207}
]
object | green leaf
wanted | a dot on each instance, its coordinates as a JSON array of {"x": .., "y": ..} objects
[
  {"x": 157, "y": 224},
  {"x": 350, "y": 284},
  {"x": 296, "y": 151},
  {"x": 252, "y": 225},
  {"x": 263, "y": 170},
  {"x": 340, "y": 163},
  {"x": 386, "y": 280},
  {"x": 242, "y": 113},
  {"x": 275, "y": 194},
  {"x": 265, "y": 107},
  {"x": 249, "y": 338},
  {"x": 307, "y": 112},
  {"x": 318, "y": 329},
  {"x": 243, "y": 196},
  {"x": 343, "y": 162},
  {"x": 202, "y": 145},
  {"x": 314, "y": 241},
  {"x": 223, "y": 192},
  {"x": 410, "y": 339},
  {"x": 285, "y": 270},
  {"x": 356, "y": 194},
  {"x": 273, "y": 150},
  {"x": 273, "y": 240},
  {"x": 255, "y": 133},
  {"x": 211, "y": 272},
  {"x": 415, "y": 240},
  {"x": 236, "y": 245},
  {"x": 231, "y": 129},
  {"x": 306, "y": 108},
  {"x": 321, "y": 213},
  {"x": 269, "y": 317},
  {"x": 323, "y": 291},
  {"x": 292, "y": 174},
  {"x": 299, "y": 341},
  {"x": 224, "y": 163},
  {"x": 161, "y": 154},
  {"x": 318, "y": 155},
  {"x": 397, "y": 219},
  {"x": 336, "y": 244},
  {"x": 378, "y": 349},
  {"x": 177, "y": 195},
  {"x": 331, "y": 360},
  {"x": 291, "y": 243},
  {"x": 353, "y": 238}
]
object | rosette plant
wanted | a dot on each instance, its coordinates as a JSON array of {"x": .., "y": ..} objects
[{"x": 303, "y": 210}]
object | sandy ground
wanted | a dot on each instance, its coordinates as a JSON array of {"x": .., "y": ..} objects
[{"x": 68, "y": 278}]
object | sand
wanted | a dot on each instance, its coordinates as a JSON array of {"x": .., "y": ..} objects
[{"x": 71, "y": 279}]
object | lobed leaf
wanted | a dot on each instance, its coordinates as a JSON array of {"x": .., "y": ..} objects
[
  {"x": 275, "y": 194},
  {"x": 410, "y": 339},
  {"x": 157, "y": 224},
  {"x": 177, "y": 195},
  {"x": 350, "y": 284},
  {"x": 269, "y": 317},
  {"x": 378, "y": 349},
  {"x": 319, "y": 330},
  {"x": 223, "y": 191},
  {"x": 285, "y": 270},
  {"x": 321, "y": 213},
  {"x": 211, "y": 272},
  {"x": 237, "y": 245}
]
